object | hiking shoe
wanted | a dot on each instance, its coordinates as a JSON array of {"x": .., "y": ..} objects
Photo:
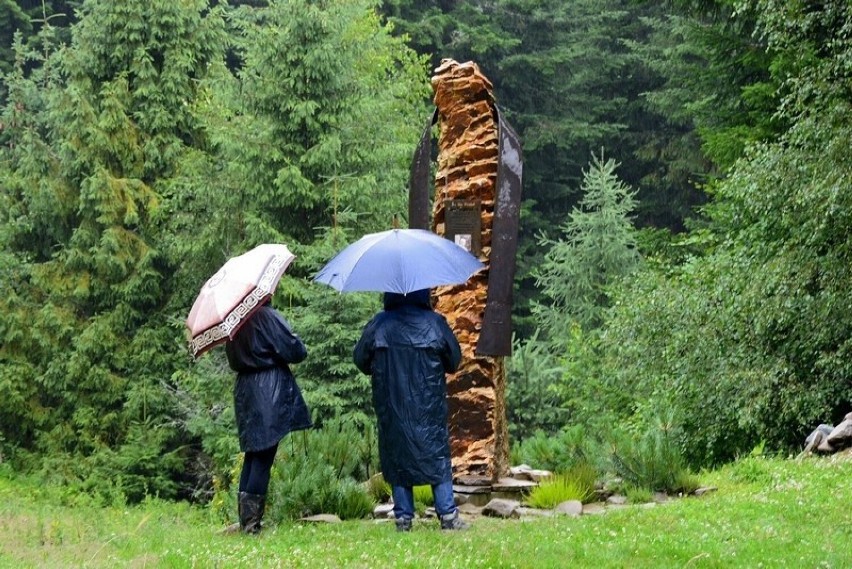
[
  {"x": 403, "y": 524},
  {"x": 453, "y": 522}
]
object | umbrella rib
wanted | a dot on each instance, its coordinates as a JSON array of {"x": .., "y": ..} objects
[{"x": 401, "y": 265}]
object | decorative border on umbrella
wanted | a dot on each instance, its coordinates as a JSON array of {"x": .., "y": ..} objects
[{"x": 246, "y": 307}]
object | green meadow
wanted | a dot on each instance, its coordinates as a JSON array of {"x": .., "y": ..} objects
[{"x": 766, "y": 512}]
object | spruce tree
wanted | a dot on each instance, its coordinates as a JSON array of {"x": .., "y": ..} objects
[
  {"x": 596, "y": 248},
  {"x": 96, "y": 131}
]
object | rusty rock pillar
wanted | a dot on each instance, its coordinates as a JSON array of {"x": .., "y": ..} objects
[{"x": 466, "y": 183}]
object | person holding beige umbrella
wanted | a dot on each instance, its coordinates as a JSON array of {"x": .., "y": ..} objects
[{"x": 234, "y": 308}]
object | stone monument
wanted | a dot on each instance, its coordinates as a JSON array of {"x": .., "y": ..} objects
[{"x": 476, "y": 204}]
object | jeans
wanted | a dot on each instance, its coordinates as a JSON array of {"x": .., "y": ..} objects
[{"x": 403, "y": 500}]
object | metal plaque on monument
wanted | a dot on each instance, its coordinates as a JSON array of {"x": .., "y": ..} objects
[{"x": 463, "y": 224}]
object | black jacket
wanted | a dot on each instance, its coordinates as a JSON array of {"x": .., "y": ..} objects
[
  {"x": 267, "y": 401},
  {"x": 408, "y": 349}
]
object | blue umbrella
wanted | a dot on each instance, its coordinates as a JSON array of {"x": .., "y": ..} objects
[{"x": 399, "y": 260}]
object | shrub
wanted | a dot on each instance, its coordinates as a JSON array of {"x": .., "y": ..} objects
[
  {"x": 651, "y": 459},
  {"x": 532, "y": 402},
  {"x": 301, "y": 485},
  {"x": 686, "y": 482},
  {"x": 317, "y": 472},
  {"x": 559, "y": 452},
  {"x": 586, "y": 475},
  {"x": 344, "y": 444},
  {"x": 378, "y": 487}
]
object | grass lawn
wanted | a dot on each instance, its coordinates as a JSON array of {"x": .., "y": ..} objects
[{"x": 766, "y": 513}]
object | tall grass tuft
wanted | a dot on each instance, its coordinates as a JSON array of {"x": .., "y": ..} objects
[
  {"x": 423, "y": 497},
  {"x": 637, "y": 494},
  {"x": 577, "y": 484},
  {"x": 353, "y": 502}
]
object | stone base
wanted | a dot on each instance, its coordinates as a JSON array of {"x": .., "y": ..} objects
[{"x": 480, "y": 492}]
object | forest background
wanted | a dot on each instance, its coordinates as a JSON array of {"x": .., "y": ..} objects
[{"x": 685, "y": 251}]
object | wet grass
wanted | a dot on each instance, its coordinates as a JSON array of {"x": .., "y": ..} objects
[{"x": 766, "y": 513}]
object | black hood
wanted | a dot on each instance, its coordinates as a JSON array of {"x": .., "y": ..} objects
[{"x": 419, "y": 298}]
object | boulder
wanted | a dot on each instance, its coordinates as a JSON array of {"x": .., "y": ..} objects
[
  {"x": 383, "y": 510},
  {"x": 593, "y": 508},
  {"x": 813, "y": 441},
  {"x": 512, "y": 485},
  {"x": 470, "y": 509},
  {"x": 500, "y": 508},
  {"x": 527, "y": 513},
  {"x": 841, "y": 436},
  {"x": 571, "y": 508},
  {"x": 321, "y": 519}
]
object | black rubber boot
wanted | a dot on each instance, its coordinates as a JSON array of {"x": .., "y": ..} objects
[
  {"x": 251, "y": 507},
  {"x": 453, "y": 522}
]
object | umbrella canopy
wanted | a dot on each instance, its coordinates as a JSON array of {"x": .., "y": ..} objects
[
  {"x": 230, "y": 296},
  {"x": 399, "y": 260}
]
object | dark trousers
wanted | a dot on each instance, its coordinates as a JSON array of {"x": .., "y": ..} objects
[{"x": 257, "y": 466}]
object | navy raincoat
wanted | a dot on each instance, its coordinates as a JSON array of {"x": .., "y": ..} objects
[
  {"x": 267, "y": 401},
  {"x": 408, "y": 349}
]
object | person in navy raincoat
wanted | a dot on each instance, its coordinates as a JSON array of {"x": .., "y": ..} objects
[
  {"x": 408, "y": 349},
  {"x": 267, "y": 402}
]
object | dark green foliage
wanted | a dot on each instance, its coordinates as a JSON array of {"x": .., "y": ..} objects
[
  {"x": 330, "y": 324},
  {"x": 134, "y": 163},
  {"x": 596, "y": 249},
  {"x": 319, "y": 472},
  {"x": 693, "y": 50},
  {"x": 92, "y": 142},
  {"x": 747, "y": 341},
  {"x": 12, "y": 20},
  {"x": 651, "y": 459},
  {"x": 559, "y": 452},
  {"x": 532, "y": 401}
]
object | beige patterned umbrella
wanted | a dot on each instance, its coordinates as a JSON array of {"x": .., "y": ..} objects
[{"x": 231, "y": 296}]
